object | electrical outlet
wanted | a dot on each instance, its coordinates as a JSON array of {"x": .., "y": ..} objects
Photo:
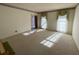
[{"x": 16, "y": 31}]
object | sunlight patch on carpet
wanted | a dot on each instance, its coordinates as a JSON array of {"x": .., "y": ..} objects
[{"x": 51, "y": 40}]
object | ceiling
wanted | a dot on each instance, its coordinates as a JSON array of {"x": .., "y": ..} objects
[{"x": 41, "y": 7}]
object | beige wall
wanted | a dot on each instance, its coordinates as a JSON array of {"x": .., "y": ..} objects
[
  {"x": 52, "y": 21},
  {"x": 39, "y": 20},
  {"x": 70, "y": 21},
  {"x": 76, "y": 27},
  {"x": 14, "y": 19}
]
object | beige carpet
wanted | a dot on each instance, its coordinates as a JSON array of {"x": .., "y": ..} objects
[{"x": 30, "y": 44}]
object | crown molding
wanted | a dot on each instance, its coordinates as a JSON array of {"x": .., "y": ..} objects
[
  {"x": 17, "y": 7},
  {"x": 58, "y": 10},
  {"x": 34, "y": 11}
]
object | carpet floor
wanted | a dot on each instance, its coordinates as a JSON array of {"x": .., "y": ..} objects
[{"x": 42, "y": 42}]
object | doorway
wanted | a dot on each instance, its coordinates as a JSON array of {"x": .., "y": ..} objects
[{"x": 34, "y": 23}]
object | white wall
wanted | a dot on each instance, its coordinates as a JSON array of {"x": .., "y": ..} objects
[
  {"x": 76, "y": 27},
  {"x": 12, "y": 19}
]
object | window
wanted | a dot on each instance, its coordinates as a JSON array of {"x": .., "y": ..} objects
[
  {"x": 62, "y": 23},
  {"x": 43, "y": 22}
]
